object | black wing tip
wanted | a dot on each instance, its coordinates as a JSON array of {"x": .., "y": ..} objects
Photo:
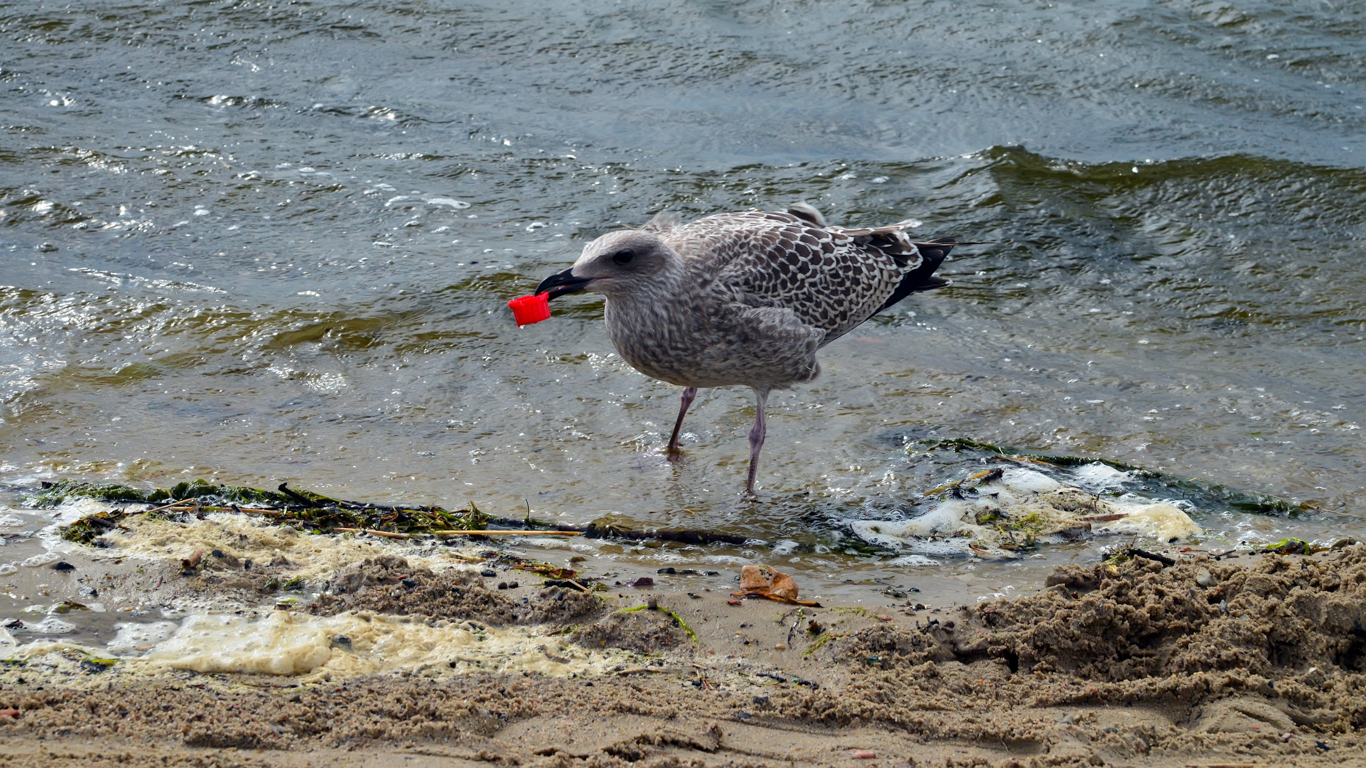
[{"x": 807, "y": 213}]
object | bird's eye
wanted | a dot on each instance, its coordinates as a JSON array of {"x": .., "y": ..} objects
[{"x": 624, "y": 257}]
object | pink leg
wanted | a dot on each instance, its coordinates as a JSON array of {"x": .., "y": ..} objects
[
  {"x": 688, "y": 394},
  {"x": 756, "y": 437}
]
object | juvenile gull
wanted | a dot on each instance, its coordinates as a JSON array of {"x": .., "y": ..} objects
[{"x": 745, "y": 298}]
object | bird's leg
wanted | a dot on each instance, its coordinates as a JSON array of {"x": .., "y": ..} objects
[
  {"x": 688, "y": 394},
  {"x": 756, "y": 437}
]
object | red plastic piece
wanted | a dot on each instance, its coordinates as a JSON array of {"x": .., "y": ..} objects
[{"x": 530, "y": 309}]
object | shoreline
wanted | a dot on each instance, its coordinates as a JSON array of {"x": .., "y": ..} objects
[{"x": 1244, "y": 660}]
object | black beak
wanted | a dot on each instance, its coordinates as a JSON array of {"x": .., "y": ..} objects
[{"x": 561, "y": 283}]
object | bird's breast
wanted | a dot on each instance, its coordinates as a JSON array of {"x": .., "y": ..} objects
[{"x": 662, "y": 342}]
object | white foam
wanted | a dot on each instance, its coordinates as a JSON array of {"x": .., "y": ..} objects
[
  {"x": 913, "y": 560},
  {"x": 1037, "y": 509},
  {"x": 286, "y": 643},
  {"x": 1022, "y": 480},
  {"x": 133, "y": 637},
  {"x": 53, "y": 626},
  {"x": 1157, "y": 521},
  {"x": 458, "y": 205},
  {"x": 71, "y": 510},
  {"x": 1098, "y": 477},
  {"x": 41, "y": 559}
]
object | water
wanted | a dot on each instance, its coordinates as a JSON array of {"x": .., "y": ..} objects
[{"x": 261, "y": 242}]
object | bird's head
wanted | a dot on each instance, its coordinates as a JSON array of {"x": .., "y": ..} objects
[{"x": 616, "y": 264}]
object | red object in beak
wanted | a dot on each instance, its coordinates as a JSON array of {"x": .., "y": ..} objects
[{"x": 530, "y": 309}]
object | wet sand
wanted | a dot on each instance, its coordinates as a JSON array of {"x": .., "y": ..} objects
[{"x": 1251, "y": 659}]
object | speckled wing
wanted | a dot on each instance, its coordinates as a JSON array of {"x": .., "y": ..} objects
[{"x": 831, "y": 278}]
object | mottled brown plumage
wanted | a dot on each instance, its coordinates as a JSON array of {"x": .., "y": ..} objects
[{"x": 744, "y": 298}]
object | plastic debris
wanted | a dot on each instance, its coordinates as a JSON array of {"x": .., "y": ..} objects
[{"x": 530, "y": 309}]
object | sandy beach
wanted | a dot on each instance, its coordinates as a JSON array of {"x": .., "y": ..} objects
[{"x": 1245, "y": 659}]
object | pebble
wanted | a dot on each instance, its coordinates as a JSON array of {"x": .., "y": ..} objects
[
  {"x": 1203, "y": 578},
  {"x": 862, "y": 754},
  {"x": 643, "y": 581}
]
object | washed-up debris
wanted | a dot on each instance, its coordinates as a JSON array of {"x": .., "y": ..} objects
[
  {"x": 1006, "y": 511},
  {"x": 314, "y": 513},
  {"x": 303, "y": 510},
  {"x": 770, "y": 583},
  {"x": 1143, "y": 554},
  {"x": 1153, "y": 484}
]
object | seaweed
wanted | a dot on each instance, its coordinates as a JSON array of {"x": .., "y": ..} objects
[
  {"x": 1215, "y": 493},
  {"x": 315, "y": 513},
  {"x": 302, "y": 510}
]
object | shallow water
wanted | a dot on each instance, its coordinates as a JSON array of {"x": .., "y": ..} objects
[{"x": 256, "y": 243}]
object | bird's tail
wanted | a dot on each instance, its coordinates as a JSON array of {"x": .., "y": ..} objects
[{"x": 922, "y": 278}]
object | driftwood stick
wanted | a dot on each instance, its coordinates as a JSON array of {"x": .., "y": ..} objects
[
  {"x": 502, "y": 533},
  {"x": 1146, "y": 555},
  {"x": 385, "y": 534}
]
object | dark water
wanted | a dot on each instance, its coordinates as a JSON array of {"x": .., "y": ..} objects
[{"x": 257, "y": 242}]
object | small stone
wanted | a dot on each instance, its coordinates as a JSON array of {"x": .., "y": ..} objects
[
  {"x": 643, "y": 581},
  {"x": 1203, "y": 578},
  {"x": 667, "y": 570},
  {"x": 862, "y": 754},
  {"x": 63, "y": 567},
  {"x": 780, "y": 647},
  {"x": 488, "y": 573}
]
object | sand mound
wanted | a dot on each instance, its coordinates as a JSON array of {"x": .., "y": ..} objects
[
  {"x": 389, "y": 585},
  {"x": 1276, "y": 617},
  {"x": 640, "y": 631}
]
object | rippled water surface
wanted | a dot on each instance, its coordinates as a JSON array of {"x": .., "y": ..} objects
[{"x": 256, "y": 242}]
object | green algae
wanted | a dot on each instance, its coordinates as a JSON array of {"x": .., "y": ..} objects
[
  {"x": 677, "y": 619},
  {"x": 300, "y": 509}
]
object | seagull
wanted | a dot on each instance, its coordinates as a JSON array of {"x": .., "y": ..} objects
[{"x": 745, "y": 298}]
